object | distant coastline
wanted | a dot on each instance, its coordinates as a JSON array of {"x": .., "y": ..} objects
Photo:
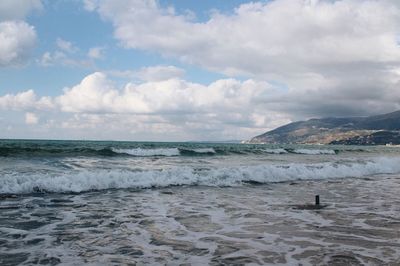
[{"x": 372, "y": 130}]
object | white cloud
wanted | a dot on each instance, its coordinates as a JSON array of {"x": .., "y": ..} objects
[
  {"x": 17, "y": 40},
  {"x": 155, "y": 127},
  {"x": 18, "y": 9},
  {"x": 158, "y": 73},
  {"x": 49, "y": 59},
  {"x": 66, "y": 46},
  {"x": 26, "y": 100},
  {"x": 31, "y": 119},
  {"x": 328, "y": 55},
  {"x": 96, "y": 52},
  {"x": 151, "y": 73},
  {"x": 97, "y": 94},
  {"x": 176, "y": 109},
  {"x": 60, "y": 58},
  {"x": 67, "y": 54},
  {"x": 19, "y": 101},
  {"x": 263, "y": 38},
  {"x": 172, "y": 108}
]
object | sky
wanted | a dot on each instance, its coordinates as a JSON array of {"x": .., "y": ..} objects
[{"x": 182, "y": 70}]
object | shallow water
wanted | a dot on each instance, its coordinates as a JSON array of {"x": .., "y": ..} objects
[{"x": 251, "y": 224}]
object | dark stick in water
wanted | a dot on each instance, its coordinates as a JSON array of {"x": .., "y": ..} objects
[{"x": 316, "y": 200}]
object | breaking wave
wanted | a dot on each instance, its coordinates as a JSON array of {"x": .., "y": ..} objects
[
  {"x": 178, "y": 176},
  {"x": 71, "y": 152},
  {"x": 275, "y": 151},
  {"x": 148, "y": 152},
  {"x": 313, "y": 151},
  {"x": 165, "y": 151},
  {"x": 161, "y": 151}
]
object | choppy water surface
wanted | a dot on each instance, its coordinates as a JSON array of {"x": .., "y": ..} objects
[{"x": 65, "y": 202}]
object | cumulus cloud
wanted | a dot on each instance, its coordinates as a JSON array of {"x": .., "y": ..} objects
[
  {"x": 301, "y": 59},
  {"x": 172, "y": 108},
  {"x": 18, "y": 9},
  {"x": 331, "y": 54},
  {"x": 249, "y": 106},
  {"x": 17, "y": 40},
  {"x": 97, "y": 94},
  {"x": 31, "y": 118},
  {"x": 26, "y": 100},
  {"x": 261, "y": 36},
  {"x": 176, "y": 109},
  {"x": 19, "y": 101}
]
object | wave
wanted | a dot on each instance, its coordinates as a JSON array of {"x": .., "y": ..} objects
[
  {"x": 199, "y": 151},
  {"x": 148, "y": 152},
  {"x": 275, "y": 151},
  {"x": 72, "y": 151},
  {"x": 138, "y": 152},
  {"x": 52, "y": 151},
  {"x": 204, "y": 150},
  {"x": 178, "y": 176},
  {"x": 165, "y": 152},
  {"x": 313, "y": 151},
  {"x": 300, "y": 151}
]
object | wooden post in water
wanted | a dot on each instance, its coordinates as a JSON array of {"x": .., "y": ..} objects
[{"x": 316, "y": 200}]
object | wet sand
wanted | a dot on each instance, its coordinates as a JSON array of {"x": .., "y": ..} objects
[{"x": 251, "y": 224}]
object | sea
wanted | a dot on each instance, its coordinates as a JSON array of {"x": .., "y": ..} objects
[{"x": 191, "y": 203}]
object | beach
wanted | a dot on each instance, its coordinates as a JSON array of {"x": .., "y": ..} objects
[{"x": 223, "y": 223}]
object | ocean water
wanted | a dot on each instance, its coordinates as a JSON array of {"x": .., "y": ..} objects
[
  {"x": 115, "y": 203},
  {"x": 79, "y": 166}
]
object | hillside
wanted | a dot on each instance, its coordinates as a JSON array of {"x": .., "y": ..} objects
[{"x": 372, "y": 130}]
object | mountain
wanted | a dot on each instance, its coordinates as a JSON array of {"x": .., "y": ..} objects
[{"x": 371, "y": 130}]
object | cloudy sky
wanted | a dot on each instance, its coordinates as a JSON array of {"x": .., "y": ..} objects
[{"x": 173, "y": 70}]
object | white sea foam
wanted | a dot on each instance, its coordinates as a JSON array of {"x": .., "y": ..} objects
[
  {"x": 226, "y": 176},
  {"x": 313, "y": 151},
  {"x": 159, "y": 151},
  {"x": 148, "y": 152},
  {"x": 204, "y": 150},
  {"x": 275, "y": 151}
]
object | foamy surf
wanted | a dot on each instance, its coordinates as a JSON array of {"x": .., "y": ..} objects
[
  {"x": 204, "y": 150},
  {"x": 275, "y": 151},
  {"x": 313, "y": 151},
  {"x": 148, "y": 152},
  {"x": 167, "y": 152},
  {"x": 178, "y": 176}
]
